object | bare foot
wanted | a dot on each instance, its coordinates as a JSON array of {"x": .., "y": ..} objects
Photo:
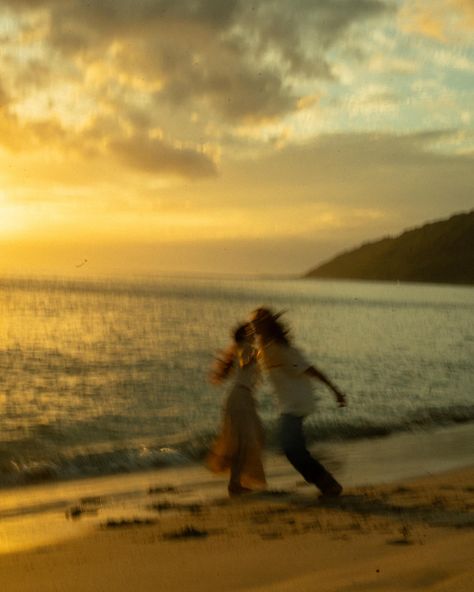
[
  {"x": 331, "y": 489},
  {"x": 237, "y": 489}
]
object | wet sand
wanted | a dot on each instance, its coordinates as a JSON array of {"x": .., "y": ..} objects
[{"x": 408, "y": 535}]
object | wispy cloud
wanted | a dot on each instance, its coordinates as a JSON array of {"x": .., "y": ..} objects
[{"x": 153, "y": 155}]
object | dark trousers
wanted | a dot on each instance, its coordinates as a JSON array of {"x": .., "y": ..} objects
[{"x": 293, "y": 443}]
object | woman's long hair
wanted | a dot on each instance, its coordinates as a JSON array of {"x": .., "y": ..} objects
[
  {"x": 272, "y": 329},
  {"x": 225, "y": 360}
]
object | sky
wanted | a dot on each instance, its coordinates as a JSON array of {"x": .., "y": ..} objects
[{"x": 238, "y": 136}]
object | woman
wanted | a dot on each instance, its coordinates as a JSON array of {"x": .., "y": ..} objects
[
  {"x": 238, "y": 448},
  {"x": 290, "y": 375}
]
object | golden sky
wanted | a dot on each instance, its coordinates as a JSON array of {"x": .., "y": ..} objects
[{"x": 231, "y": 136}]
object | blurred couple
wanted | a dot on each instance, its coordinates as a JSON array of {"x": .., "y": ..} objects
[{"x": 264, "y": 344}]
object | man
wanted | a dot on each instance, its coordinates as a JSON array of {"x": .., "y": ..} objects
[{"x": 290, "y": 375}]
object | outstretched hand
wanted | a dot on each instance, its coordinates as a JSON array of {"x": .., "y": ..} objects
[{"x": 341, "y": 399}]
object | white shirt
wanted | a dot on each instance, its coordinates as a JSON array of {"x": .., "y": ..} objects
[{"x": 285, "y": 367}]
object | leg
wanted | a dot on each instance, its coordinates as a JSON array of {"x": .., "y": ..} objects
[
  {"x": 294, "y": 446},
  {"x": 234, "y": 481},
  {"x": 235, "y": 487}
]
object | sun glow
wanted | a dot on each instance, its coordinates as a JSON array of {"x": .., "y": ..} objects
[{"x": 12, "y": 217}]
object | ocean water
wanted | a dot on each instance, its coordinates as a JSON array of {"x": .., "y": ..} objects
[{"x": 108, "y": 376}]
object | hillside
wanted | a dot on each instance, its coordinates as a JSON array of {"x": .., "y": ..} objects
[{"x": 438, "y": 252}]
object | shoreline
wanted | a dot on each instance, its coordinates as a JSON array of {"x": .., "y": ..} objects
[
  {"x": 452, "y": 442},
  {"x": 34, "y": 516},
  {"x": 414, "y": 534}
]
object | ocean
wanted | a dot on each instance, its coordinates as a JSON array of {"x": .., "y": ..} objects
[{"x": 104, "y": 377}]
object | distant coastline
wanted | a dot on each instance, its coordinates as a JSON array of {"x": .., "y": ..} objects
[{"x": 438, "y": 252}]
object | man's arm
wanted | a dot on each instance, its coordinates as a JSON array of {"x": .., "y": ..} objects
[{"x": 315, "y": 373}]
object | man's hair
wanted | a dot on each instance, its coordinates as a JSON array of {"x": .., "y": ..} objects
[{"x": 274, "y": 328}]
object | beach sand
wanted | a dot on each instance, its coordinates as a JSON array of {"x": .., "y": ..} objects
[{"x": 414, "y": 534}]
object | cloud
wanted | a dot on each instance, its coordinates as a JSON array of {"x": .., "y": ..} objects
[
  {"x": 327, "y": 194},
  {"x": 442, "y": 20},
  {"x": 291, "y": 25},
  {"x": 234, "y": 89},
  {"x": 4, "y": 98},
  {"x": 389, "y": 64},
  {"x": 366, "y": 151},
  {"x": 398, "y": 173},
  {"x": 101, "y": 139},
  {"x": 33, "y": 75},
  {"x": 453, "y": 60},
  {"x": 372, "y": 99},
  {"x": 155, "y": 156},
  {"x": 466, "y": 7},
  {"x": 232, "y": 58},
  {"x": 41, "y": 134}
]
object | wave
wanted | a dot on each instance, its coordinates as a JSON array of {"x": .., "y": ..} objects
[
  {"x": 138, "y": 457},
  {"x": 88, "y": 464},
  {"x": 423, "y": 418}
]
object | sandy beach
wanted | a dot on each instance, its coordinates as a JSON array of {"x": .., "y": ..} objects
[{"x": 414, "y": 534}]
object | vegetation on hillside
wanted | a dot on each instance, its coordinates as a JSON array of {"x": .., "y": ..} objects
[{"x": 439, "y": 252}]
